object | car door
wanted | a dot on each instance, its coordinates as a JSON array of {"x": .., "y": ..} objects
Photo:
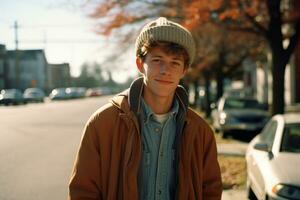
[{"x": 259, "y": 160}]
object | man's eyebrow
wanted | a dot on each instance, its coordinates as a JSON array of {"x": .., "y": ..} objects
[
  {"x": 177, "y": 59},
  {"x": 157, "y": 56}
]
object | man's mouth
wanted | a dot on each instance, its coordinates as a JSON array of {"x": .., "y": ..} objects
[{"x": 163, "y": 81}]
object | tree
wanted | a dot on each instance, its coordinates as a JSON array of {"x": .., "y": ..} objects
[
  {"x": 266, "y": 18},
  {"x": 223, "y": 51},
  {"x": 118, "y": 15},
  {"x": 90, "y": 76}
]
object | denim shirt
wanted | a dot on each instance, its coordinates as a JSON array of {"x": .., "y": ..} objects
[{"x": 157, "y": 171}]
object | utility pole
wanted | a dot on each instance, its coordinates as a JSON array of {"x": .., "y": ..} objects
[
  {"x": 17, "y": 67},
  {"x": 16, "y": 27}
]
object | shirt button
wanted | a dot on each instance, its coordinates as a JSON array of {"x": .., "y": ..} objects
[
  {"x": 156, "y": 130},
  {"x": 159, "y": 192}
]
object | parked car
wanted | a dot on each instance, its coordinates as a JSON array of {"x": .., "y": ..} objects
[
  {"x": 81, "y": 92},
  {"x": 59, "y": 94},
  {"x": 34, "y": 95},
  {"x": 11, "y": 96},
  {"x": 71, "y": 92},
  {"x": 238, "y": 114},
  {"x": 98, "y": 91},
  {"x": 75, "y": 92},
  {"x": 273, "y": 160}
]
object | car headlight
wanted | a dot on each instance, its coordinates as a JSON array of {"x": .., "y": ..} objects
[
  {"x": 223, "y": 115},
  {"x": 227, "y": 119},
  {"x": 287, "y": 191}
]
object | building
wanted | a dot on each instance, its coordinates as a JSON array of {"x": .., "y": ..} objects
[
  {"x": 2, "y": 67},
  {"x": 297, "y": 73},
  {"x": 297, "y": 63},
  {"x": 59, "y": 76},
  {"x": 26, "y": 68}
]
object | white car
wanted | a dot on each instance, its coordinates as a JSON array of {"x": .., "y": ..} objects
[
  {"x": 273, "y": 160},
  {"x": 239, "y": 114}
]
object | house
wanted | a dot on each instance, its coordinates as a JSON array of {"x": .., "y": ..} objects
[
  {"x": 297, "y": 73},
  {"x": 26, "y": 68},
  {"x": 2, "y": 67},
  {"x": 59, "y": 75},
  {"x": 297, "y": 63}
]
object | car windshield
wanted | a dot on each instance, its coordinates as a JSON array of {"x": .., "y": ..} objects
[
  {"x": 241, "y": 104},
  {"x": 291, "y": 138},
  {"x": 33, "y": 90},
  {"x": 9, "y": 93}
]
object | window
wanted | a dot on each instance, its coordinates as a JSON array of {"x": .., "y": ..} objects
[
  {"x": 1, "y": 67},
  {"x": 291, "y": 138},
  {"x": 268, "y": 133},
  {"x": 240, "y": 104}
]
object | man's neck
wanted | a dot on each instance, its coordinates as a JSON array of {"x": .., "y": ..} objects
[{"x": 159, "y": 105}]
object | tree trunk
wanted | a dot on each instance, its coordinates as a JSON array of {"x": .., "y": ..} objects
[
  {"x": 220, "y": 80},
  {"x": 207, "y": 93},
  {"x": 279, "y": 61},
  {"x": 278, "y": 86},
  {"x": 196, "y": 96}
]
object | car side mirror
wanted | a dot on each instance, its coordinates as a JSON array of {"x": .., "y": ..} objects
[{"x": 261, "y": 147}]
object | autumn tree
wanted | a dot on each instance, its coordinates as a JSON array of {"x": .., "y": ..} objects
[
  {"x": 276, "y": 20},
  {"x": 220, "y": 55},
  {"x": 119, "y": 15},
  {"x": 261, "y": 17}
]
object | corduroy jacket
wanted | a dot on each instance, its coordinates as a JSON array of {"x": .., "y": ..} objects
[{"x": 108, "y": 159}]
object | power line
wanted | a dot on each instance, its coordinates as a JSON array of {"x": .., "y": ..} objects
[
  {"x": 65, "y": 41},
  {"x": 29, "y": 26},
  {"x": 16, "y": 27}
]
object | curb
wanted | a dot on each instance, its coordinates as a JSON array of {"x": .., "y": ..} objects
[{"x": 232, "y": 149}]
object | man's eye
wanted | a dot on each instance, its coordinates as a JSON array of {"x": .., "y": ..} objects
[
  {"x": 176, "y": 64},
  {"x": 156, "y": 60}
]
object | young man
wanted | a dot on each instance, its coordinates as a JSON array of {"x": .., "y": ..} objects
[{"x": 146, "y": 143}]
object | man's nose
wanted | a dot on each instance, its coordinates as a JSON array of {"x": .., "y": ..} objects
[{"x": 164, "y": 68}]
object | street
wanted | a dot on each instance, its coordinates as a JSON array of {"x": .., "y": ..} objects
[{"x": 38, "y": 144}]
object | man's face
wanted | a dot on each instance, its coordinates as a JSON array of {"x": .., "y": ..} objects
[{"x": 162, "y": 72}]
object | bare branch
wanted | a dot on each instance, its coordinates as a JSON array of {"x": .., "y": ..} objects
[
  {"x": 257, "y": 25},
  {"x": 244, "y": 29},
  {"x": 293, "y": 40}
]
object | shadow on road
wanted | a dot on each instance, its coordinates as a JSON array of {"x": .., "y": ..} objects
[{"x": 243, "y": 136}]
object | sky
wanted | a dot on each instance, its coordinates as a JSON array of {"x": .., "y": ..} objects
[{"x": 63, "y": 30}]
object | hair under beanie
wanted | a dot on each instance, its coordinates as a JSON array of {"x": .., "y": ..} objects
[{"x": 164, "y": 30}]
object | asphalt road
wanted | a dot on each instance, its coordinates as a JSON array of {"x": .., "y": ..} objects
[{"x": 38, "y": 144}]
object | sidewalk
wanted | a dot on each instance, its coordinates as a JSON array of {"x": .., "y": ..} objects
[
  {"x": 234, "y": 195},
  {"x": 233, "y": 149},
  {"x": 293, "y": 108}
]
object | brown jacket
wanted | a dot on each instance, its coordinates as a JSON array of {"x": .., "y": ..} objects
[{"x": 107, "y": 163}]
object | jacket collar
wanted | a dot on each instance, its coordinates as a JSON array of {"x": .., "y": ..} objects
[{"x": 134, "y": 94}]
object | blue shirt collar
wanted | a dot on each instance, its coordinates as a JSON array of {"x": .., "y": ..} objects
[{"x": 148, "y": 113}]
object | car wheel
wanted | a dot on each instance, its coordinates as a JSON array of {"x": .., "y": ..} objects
[{"x": 250, "y": 194}]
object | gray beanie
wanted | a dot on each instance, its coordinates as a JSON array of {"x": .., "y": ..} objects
[{"x": 166, "y": 31}]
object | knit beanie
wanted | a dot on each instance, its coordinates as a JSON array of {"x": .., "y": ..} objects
[{"x": 163, "y": 30}]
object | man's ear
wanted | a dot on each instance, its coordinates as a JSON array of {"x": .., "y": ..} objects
[
  {"x": 139, "y": 64},
  {"x": 184, "y": 71}
]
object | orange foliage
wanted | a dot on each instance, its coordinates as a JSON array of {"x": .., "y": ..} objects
[
  {"x": 103, "y": 9},
  {"x": 118, "y": 20}
]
